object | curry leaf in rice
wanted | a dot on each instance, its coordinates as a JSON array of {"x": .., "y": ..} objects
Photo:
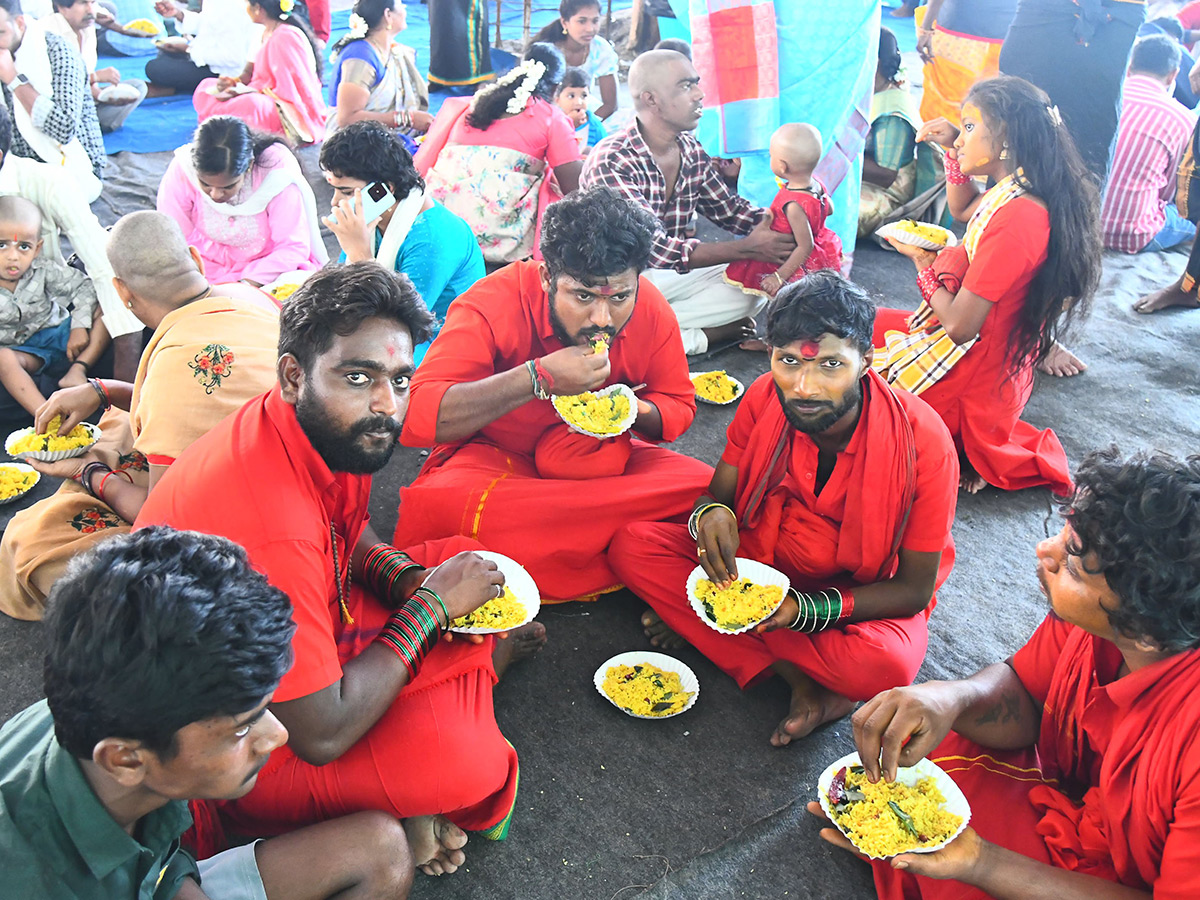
[
  {"x": 505, "y": 611},
  {"x": 645, "y": 690},
  {"x": 742, "y": 603},
  {"x": 886, "y": 818}
]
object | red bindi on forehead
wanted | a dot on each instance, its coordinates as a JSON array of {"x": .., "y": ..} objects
[
  {"x": 810, "y": 349},
  {"x": 606, "y": 289}
]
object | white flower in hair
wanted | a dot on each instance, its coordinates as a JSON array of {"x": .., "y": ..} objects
[
  {"x": 358, "y": 26},
  {"x": 1055, "y": 115},
  {"x": 532, "y": 70}
]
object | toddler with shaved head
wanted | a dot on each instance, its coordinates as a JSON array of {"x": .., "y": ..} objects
[
  {"x": 800, "y": 208},
  {"x": 36, "y": 329}
]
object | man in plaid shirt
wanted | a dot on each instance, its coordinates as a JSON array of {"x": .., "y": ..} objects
[{"x": 657, "y": 163}]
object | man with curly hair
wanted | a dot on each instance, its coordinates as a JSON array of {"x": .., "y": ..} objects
[
  {"x": 502, "y": 460},
  {"x": 1079, "y": 754}
]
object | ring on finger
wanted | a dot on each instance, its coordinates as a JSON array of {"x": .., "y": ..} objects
[
  {"x": 702, "y": 551},
  {"x": 499, "y": 591}
]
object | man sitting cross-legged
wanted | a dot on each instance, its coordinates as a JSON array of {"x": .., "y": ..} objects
[
  {"x": 841, "y": 483},
  {"x": 382, "y": 714},
  {"x": 1078, "y": 754},
  {"x": 505, "y": 469},
  {"x": 164, "y": 648}
]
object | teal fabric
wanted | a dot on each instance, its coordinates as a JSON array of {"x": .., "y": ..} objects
[{"x": 892, "y": 142}]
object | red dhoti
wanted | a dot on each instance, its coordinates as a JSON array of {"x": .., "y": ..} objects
[
  {"x": 437, "y": 749},
  {"x": 858, "y": 661},
  {"x": 557, "y": 528}
]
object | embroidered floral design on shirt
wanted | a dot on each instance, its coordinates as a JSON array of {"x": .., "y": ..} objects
[
  {"x": 212, "y": 364},
  {"x": 95, "y": 519},
  {"x": 134, "y": 460}
]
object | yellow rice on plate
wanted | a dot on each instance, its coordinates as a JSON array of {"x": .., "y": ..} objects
[
  {"x": 741, "y": 604},
  {"x": 143, "y": 26},
  {"x": 935, "y": 233},
  {"x": 887, "y": 818},
  {"x": 645, "y": 690},
  {"x": 506, "y": 611},
  {"x": 715, "y": 387},
  {"x": 15, "y": 480},
  {"x": 599, "y": 413},
  {"x": 79, "y": 436}
]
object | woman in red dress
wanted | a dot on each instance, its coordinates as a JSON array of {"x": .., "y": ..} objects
[{"x": 993, "y": 307}]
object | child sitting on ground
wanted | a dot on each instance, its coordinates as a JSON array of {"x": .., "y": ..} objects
[
  {"x": 35, "y": 329},
  {"x": 572, "y": 98},
  {"x": 801, "y": 207}
]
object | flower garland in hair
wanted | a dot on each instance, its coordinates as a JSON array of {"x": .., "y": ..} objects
[
  {"x": 358, "y": 26},
  {"x": 532, "y": 70}
]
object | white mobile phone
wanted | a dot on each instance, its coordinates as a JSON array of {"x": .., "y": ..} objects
[{"x": 377, "y": 200}]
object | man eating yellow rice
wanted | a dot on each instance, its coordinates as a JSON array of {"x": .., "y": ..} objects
[
  {"x": 506, "y": 611},
  {"x": 645, "y": 690},
  {"x": 599, "y": 413},
  {"x": 742, "y": 603}
]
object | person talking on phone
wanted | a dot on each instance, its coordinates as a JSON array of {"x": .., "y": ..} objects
[
  {"x": 243, "y": 203},
  {"x": 381, "y": 211}
]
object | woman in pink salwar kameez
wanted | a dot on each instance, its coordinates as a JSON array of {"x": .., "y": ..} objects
[
  {"x": 280, "y": 92},
  {"x": 243, "y": 203}
]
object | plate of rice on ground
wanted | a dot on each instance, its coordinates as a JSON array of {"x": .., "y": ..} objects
[
  {"x": 919, "y": 234},
  {"x": 17, "y": 480},
  {"x": 516, "y": 607},
  {"x": 605, "y": 413},
  {"x": 718, "y": 388},
  {"x": 50, "y": 447},
  {"x": 921, "y": 811},
  {"x": 757, "y": 593},
  {"x": 647, "y": 685}
]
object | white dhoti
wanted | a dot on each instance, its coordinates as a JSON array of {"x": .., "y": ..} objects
[{"x": 703, "y": 299}]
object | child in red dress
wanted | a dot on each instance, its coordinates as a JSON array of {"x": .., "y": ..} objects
[{"x": 801, "y": 207}]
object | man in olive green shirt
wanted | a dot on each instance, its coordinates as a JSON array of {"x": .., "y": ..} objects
[{"x": 164, "y": 650}]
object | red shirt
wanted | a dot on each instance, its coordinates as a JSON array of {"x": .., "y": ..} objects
[
  {"x": 257, "y": 480},
  {"x": 932, "y": 514},
  {"x": 1126, "y": 750},
  {"x": 504, "y": 320}
]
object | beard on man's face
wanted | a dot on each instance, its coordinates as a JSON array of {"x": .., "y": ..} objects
[
  {"x": 586, "y": 336},
  {"x": 342, "y": 450},
  {"x": 823, "y": 418}
]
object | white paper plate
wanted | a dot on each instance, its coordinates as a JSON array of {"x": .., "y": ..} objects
[
  {"x": 626, "y": 424},
  {"x": 23, "y": 468},
  {"x": 738, "y": 390},
  {"x": 758, "y": 573},
  {"x": 955, "y": 801},
  {"x": 659, "y": 660},
  {"x": 893, "y": 231},
  {"x": 521, "y": 584},
  {"x": 50, "y": 455}
]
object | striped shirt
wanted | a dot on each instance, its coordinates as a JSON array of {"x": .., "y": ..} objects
[{"x": 1151, "y": 137}]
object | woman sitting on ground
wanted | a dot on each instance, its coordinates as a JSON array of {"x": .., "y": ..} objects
[
  {"x": 576, "y": 34},
  {"x": 487, "y": 159},
  {"x": 416, "y": 235},
  {"x": 890, "y": 158},
  {"x": 993, "y": 306},
  {"x": 243, "y": 203},
  {"x": 280, "y": 91},
  {"x": 214, "y": 347},
  {"x": 376, "y": 79}
]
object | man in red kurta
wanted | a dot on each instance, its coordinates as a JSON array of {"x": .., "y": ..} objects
[
  {"x": 505, "y": 469},
  {"x": 1079, "y": 755},
  {"x": 287, "y": 478},
  {"x": 841, "y": 483}
]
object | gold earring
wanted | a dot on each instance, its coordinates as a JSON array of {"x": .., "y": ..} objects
[{"x": 1004, "y": 151}]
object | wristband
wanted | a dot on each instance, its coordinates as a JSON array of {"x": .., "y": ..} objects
[
  {"x": 821, "y": 609},
  {"x": 101, "y": 392},
  {"x": 538, "y": 390},
  {"x": 383, "y": 566},
  {"x": 80, "y": 362},
  {"x": 694, "y": 519},
  {"x": 411, "y": 632},
  {"x": 546, "y": 381},
  {"x": 927, "y": 281},
  {"x": 954, "y": 173}
]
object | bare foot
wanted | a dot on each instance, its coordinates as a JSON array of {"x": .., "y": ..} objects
[
  {"x": 812, "y": 706},
  {"x": 754, "y": 345},
  {"x": 971, "y": 482},
  {"x": 1061, "y": 362},
  {"x": 76, "y": 375},
  {"x": 741, "y": 330},
  {"x": 659, "y": 632},
  {"x": 436, "y": 844},
  {"x": 520, "y": 644},
  {"x": 903, "y": 12},
  {"x": 1171, "y": 295}
]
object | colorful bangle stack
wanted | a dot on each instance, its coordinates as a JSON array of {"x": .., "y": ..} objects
[
  {"x": 426, "y": 594},
  {"x": 383, "y": 566},
  {"x": 928, "y": 283},
  {"x": 101, "y": 392},
  {"x": 821, "y": 610},
  {"x": 694, "y": 519},
  {"x": 411, "y": 632},
  {"x": 402, "y": 118},
  {"x": 954, "y": 174},
  {"x": 85, "y": 476}
]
